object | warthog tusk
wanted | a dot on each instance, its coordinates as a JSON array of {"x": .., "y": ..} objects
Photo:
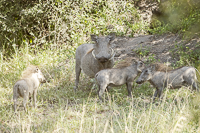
[
  {"x": 112, "y": 55},
  {"x": 93, "y": 54}
]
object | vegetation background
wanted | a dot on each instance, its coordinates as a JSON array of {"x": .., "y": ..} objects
[{"x": 47, "y": 32}]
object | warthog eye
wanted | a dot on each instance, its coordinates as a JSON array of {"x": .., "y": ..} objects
[{"x": 146, "y": 71}]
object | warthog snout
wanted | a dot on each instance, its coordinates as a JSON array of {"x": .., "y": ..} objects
[
  {"x": 102, "y": 59},
  {"x": 43, "y": 81},
  {"x": 139, "y": 81},
  {"x": 103, "y": 56}
]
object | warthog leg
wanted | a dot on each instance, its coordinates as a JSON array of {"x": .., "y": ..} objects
[
  {"x": 194, "y": 85},
  {"x": 34, "y": 97},
  {"x": 78, "y": 71},
  {"x": 155, "y": 95},
  {"x": 129, "y": 88},
  {"x": 30, "y": 99},
  {"x": 15, "y": 103},
  {"x": 25, "y": 101},
  {"x": 158, "y": 93},
  {"x": 102, "y": 88},
  {"x": 15, "y": 97}
]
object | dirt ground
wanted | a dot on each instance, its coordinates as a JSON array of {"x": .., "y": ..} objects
[{"x": 161, "y": 48}]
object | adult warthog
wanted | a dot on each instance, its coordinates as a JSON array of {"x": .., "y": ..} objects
[
  {"x": 28, "y": 85},
  {"x": 161, "y": 77},
  {"x": 92, "y": 58},
  {"x": 124, "y": 73}
]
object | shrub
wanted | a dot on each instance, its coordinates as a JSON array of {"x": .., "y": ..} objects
[
  {"x": 177, "y": 16},
  {"x": 54, "y": 23}
]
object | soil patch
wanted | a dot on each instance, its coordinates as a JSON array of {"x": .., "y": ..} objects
[{"x": 161, "y": 48}]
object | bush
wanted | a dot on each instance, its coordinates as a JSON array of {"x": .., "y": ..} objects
[
  {"x": 177, "y": 16},
  {"x": 54, "y": 23}
]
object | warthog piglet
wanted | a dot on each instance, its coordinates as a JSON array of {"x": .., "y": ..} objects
[
  {"x": 160, "y": 76},
  {"x": 28, "y": 85},
  {"x": 124, "y": 73}
]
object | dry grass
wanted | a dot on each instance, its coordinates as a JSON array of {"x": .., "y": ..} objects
[{"x": 59, "y": 109}]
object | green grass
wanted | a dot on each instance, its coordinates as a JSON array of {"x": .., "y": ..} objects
[{"x": 60, "y": 109}]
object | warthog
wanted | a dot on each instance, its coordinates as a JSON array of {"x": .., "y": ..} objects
[
  {"x": 28, "y": 85},
  {"x": 160, "y": 76},
  {"x": 92, "y": 58},
  {"x": 124, "y": 73}
]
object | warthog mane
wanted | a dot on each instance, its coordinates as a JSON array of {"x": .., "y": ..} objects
[
  {"x": 127, "y": 62},
  {"x": 28, "y": 71},
  {"x": 161, "y": 67}
]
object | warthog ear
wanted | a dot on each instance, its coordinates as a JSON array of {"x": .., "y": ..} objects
[
  {"x": 94, "y": 37},
  {"x": 111, "y": 36}
]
